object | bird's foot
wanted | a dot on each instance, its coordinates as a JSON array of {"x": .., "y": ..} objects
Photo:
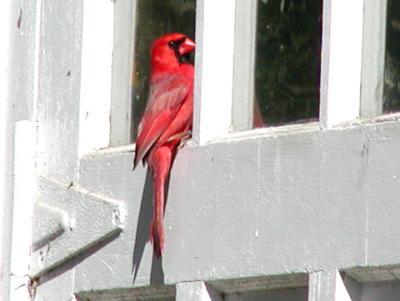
[{"x": 183, "y": 137}]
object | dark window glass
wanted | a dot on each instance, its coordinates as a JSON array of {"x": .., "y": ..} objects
[
  {"x": 391, "y": 92},
  {"x": 155, "y": 18},
  {"x": 288, "y": 59}
]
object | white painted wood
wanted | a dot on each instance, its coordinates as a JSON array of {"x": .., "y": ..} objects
[
  {"x": 264, "y": 202},
  {"x": 373, "y": 61},
  {"x": 387, "y": 291},
  {"x": 353, "y": 287},
  {"x": 195, "y": 291},
  {"x": 341, "y": 61},
  {"x": 149, "y": 293},
  {"x": 24, "y": 195},
  {"x": 60, "y": 288},
  {"x": 375, "y": 274},
  {"x": 36, "y": 62},
  {"x": 321, "y": 286},
  {"x": 58, "y": 98},
  {"x": 244, "y": 60},
  {"x": 291, "y": 294},
  {"x": 85, "y": 218},
  {"x": 288, "y": 287},
  {"x": 95, "y": 92},
  {"x": 330, "y": 187},
  {"x": 341, "y": 293},
  {"x": 124, "y": 38},
  {"x": 327, "y": 285},
  {"x": 18, "y": 29},
  {"x": 51, "y": 223},
  {"x": 6, "y": 146},
  {"x": 215, "y": 32},
  {"x": 373, "y": 283},
  {"x": 263, "y": 284},
  {"x": 325, "y": 62}
]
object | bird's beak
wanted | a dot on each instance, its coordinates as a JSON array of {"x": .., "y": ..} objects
[{"x": 186, "y": 47}]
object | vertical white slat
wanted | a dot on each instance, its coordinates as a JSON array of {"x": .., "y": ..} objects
[
  {"x": 373, "y": 61},
  {"x": 24, "y": 196},
  {"x": 95, "y": 98},
  {"x": 321, "y": 286},
  {"x": 121, "y": 99},
  {"x": 327, "y": 286},
  {"x": 341, "y": 61},
  {"x": 36, "y": 70},
  {"x": 6, "y": 153},
  {"x": 244, "y": 63},
  {"x": 215, "y": 32},
  {"x": 196, "y": 291}
]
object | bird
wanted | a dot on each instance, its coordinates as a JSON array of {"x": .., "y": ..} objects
[{"x": 167, "y": 120}]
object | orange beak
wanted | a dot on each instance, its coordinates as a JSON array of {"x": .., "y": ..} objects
[{"x": 186, "y": 47}]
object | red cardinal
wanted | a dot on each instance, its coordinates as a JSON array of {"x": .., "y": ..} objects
[{"x": 167, "y": 119}]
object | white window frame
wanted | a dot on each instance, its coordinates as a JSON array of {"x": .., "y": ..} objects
[
  {"x": 223, "y": 99},
  {"x": 374, "y": 42},
  {"x": 121, "y": 97}
]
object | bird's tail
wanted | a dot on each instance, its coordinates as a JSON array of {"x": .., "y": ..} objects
[
  {"x": 156, "y": 227},
  {"x": 159, "y": 160},
  {"x": 157, "y": 236}
]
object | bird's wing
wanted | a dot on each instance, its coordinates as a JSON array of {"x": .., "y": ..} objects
[{"x": 165, "y": 100}]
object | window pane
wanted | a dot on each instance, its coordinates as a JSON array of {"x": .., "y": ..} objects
[
  {"x": 287, "y": 61},
  {"x": 155, "y": 18},
  {"x": 391, "y": 92}
]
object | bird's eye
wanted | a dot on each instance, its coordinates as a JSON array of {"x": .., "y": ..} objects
[{"x": 172, "y": 44}]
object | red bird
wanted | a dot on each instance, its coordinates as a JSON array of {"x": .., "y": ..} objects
[{"x": 167, "y": 119}]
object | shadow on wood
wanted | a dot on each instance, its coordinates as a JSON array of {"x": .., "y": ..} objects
[{"x": 142, "y": 235}]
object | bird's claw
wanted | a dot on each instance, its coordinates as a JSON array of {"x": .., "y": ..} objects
[{"x": 185, "y": 138}]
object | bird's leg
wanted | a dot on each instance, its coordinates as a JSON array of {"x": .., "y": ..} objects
[{"x": 183, "y": 137}]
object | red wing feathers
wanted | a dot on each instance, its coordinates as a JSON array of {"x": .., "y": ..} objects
[{"x": 165, "y": 100}]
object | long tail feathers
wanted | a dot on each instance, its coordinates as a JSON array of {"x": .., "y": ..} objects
[
  {"x": 157, "y": 236},
  {"x": 156, "y": 227},
  {"x": 160, "y": 163},
  {"x": 160, "y": 160}
]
